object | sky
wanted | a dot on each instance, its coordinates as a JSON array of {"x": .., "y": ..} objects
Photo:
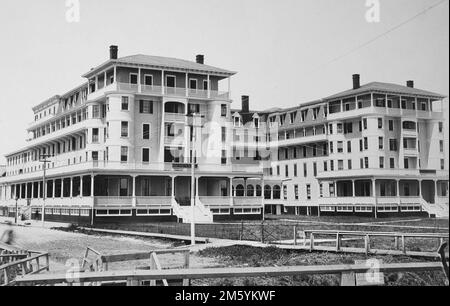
[{"x": 286, "y": 52}]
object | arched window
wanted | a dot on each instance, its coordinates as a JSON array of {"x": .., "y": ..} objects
[
  {"x": 409, "y": 125},
  {"x": 276, "y": 192},
  {"x": 240, "y": 192},
  {"x": 258, "y": 190},
  {"x": 250, "y": 191},
  {"x": 267, "y": 192}
]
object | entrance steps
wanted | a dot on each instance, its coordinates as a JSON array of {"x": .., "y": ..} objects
[
  {"x": 438, "y": 210},
  {"x": 200, "y": 214}
]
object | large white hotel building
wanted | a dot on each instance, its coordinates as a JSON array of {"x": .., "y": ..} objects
[{"x": 118, "y": 149}]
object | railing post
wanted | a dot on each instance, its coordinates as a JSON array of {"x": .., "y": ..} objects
[
  {"x": 295, "y": 235},
  {"x": 311, "y": 243},
  {"x": 367, "y": 244},
  {"x": 338, "y": 242}
]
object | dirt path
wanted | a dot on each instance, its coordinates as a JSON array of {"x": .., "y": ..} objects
[{"x": 63, "y": 246}]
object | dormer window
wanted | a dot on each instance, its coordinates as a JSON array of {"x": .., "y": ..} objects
[
  {"x": 316, "y": 113},
  {"x": 237, "y": 121},
  {"x": 256, "y": 122},
  {"x": 304, "y": 113},
  {"x": 282, "y": 119}
]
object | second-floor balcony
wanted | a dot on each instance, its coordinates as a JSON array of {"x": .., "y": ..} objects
[{"x": 162, "y": 91}]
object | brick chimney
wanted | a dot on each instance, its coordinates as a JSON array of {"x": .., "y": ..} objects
[
  {"x": 113, "y": 52},
  {"x": 245, "y": 104},
  {"x": 356, "y": 81},
  {"x": 200, "y": 59},
  {"x": 410, "y": 84}
]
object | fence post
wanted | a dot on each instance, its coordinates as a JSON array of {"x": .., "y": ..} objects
[
  {"x": 403, "y": 245},
  {"x": 186, "y": 266},
  {"x": 295, "y": 235},
  {"x": 367, "y": 244},
  {"x": 396, "y": 243},
  {"x": 311, "y": 243},
  {"x": 338, "y": 242},
  {"x": 241, "y": 234}
]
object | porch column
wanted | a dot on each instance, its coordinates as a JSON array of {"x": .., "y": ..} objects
[
  {"x": 104, "y": 77},
  {"x": 436, "y": 192},
  {"x": 26, "y": 190},
  {"x": 354, "y": 188},
  {"x": 62, "y": 187},
  {"x": 187, "y": 84},
  {"x": 54, "y": 189},
  {"x": 173, "y": 187},
  {"x": 139, "y": 81},
  {"x": 209, "y": 87},
  {"x": 420, "y": 188},
  {"x": 38, "y": 193},
  {"x": 134, "y": 191},
  {"x": 81, "y": 186},
  {"x": 342, "y": 106},
  {"x": 372, "y": 100},
  {"x": 230, "y": 191},
  {"x": 92, "y": 185},
  {"x": 71, "y": 187},
  {"x": 374, "y": 194},
  {"x": 197, "y": 179},
  {"x": 96, "y": 82},
  {"x": 32, "y": 190},
  {"x": 162, "y": 84}
]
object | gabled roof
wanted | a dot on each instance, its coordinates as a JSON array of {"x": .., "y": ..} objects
[
  {"x": 159, "y": 62},
  {"x": 386, "y": 88}
]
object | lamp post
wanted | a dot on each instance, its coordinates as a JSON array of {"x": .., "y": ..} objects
[
  {"x": 17, "y": 207},
  {"x": 195, "y": 123}
]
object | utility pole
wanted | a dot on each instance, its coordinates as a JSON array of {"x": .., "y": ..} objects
[{"x": 45, "y": 161}]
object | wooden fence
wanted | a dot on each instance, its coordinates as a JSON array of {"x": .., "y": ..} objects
[
  {"x": 26, "y": 266},
  {"x": 139, "y": 277},
  {"x": 101, "y": 263},
  {"x": 307, "y": 240}
]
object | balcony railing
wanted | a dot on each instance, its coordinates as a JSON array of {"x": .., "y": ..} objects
[
  {"x": 172, "y": 91},
  {"x": 175, "y": 117}
]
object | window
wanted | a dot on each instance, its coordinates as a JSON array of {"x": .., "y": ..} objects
[
  {"x": 95, "y": 113},
  {"x": 308, "y": 192},
  {"x": 224, "y": 157},
  {"x": 340, "y": 128},
  {"x": 406, "y": 163},
  {"x": 366, "y": 143},
  {"x": 146, "y": 131},
  {"x": 393, "y": 145},
  {"x": 224, "y": 110},
  {"x": 133, "y": 78},
  {"x": 366, "y": 162},
  {"x": 321, "y": 190},
  {"x": 124, "y": 154},
  {"x": 95, "y": 135},
  {"x": 340, "y": 147},
  {"x": 365, "y": 123},
  {"x": 441, "y": 146},
  {"x": 125, "y": 103},
  {"x": 331, "y": 147},
  {"x": 171, "y": 81},
  {"x": 330, "y": 129},
  {"x": 349, "y": 164},
  {"x": 286, "y": 171},
  {"x": 278, "y": 171},
  {"x": 332, "y": 165},
  {"x": 295, "y": 170},
  {"x": 124, "y": 129},
  {"x": 392, "y": 163},
  {"x": 305, "y": 170},
  {"x": 381, "y": 162},
  {"x": 348, "y": 128},
  {"x": 340, "y": 165},
  {"x": 314, "y": 149},
  {"x": 145, "y": 155},
  {"x": 148, "y": 80},
  {"x": 325, "y": 166},
  {"x": 349, "y": 147},
  {"x": 361, "y": 145},
  {"x": 224, "y": 134},
  {"x": 256, "y": 122},
  {"x": 237, "y": 121},
  {"x": 442, "y": 164},
  {"x": 391, "y": 125},
  {"x": 145, "y": 107},
  {"x": 315, "y": 169},
  {"x": 205, "y": 85},
  {"x": 380, "y": 123},
  {"x": 441, "y": 127},
  {"x": 360, "y": 126},
  {"x": 193, "y": 84},
  {"x": 296, "y": 192},
  {"x": 380, "y": 143}
]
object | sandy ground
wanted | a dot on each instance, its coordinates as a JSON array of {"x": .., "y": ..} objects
[{"x": 63, "y": 246}]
